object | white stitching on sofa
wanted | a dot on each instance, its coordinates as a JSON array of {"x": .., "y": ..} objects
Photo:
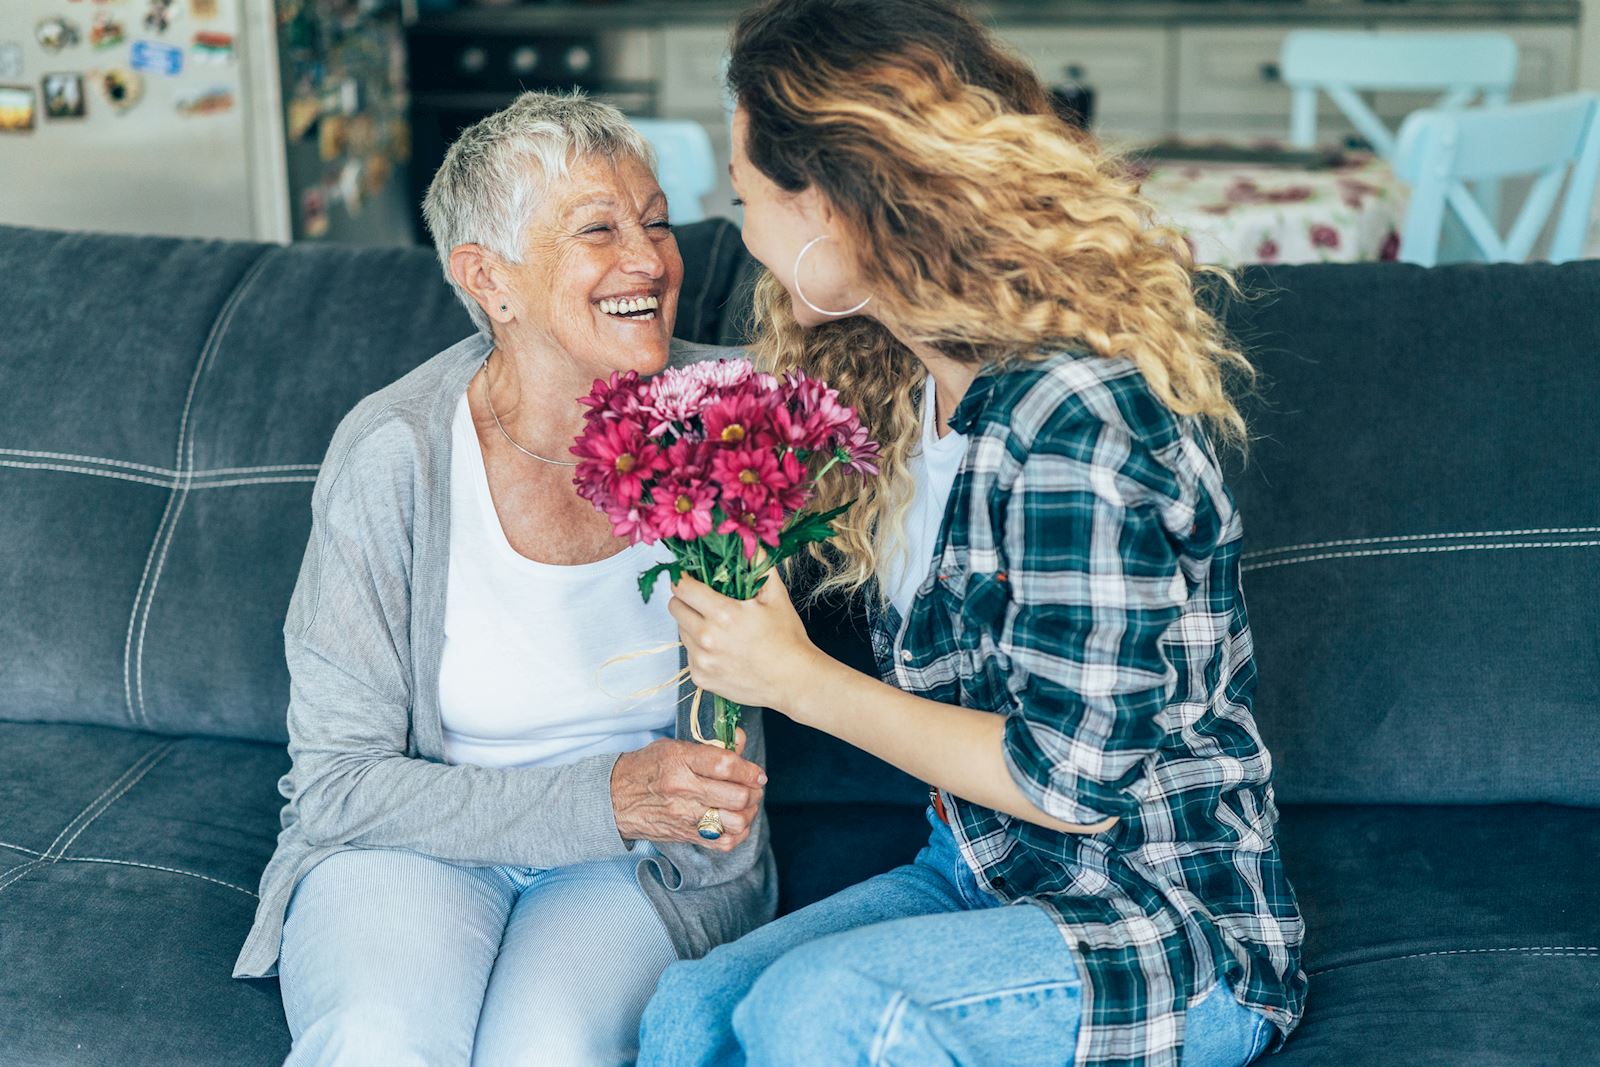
[
  {"x": 257, "y": 470},
  {"x": 86, "y": 470},
  {"x": 20, "y": 871},
  {"x": 226, "y": 483},
  {"x": 133, "y": 616},
  {"x": 90, "y": 459},
  {"x": 159, "y": 753},
  {"x": 167, "y": 473},
  {"x": 184, "y": 460},
  {"x": 90, "y": 806},
  {"x": 158, "y": 867},
  {"x": 1532, "y": 950},
  {"x": 1347, "y": 542},
  {"x": 231, "y": 482},
  {"x": 19, "y": 848},
  {"x": 1415, "y": 551}
]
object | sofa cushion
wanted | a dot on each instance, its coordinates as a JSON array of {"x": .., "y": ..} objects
[
  {"x": 1422, "y": 531},
  {"x": 128, "y": 867},
  {"x": 1446, "y": 935},
  {"x": 128, "y": 871}
]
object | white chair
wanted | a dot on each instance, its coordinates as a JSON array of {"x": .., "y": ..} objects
[
  {"x": 685, "y": 165},
  {"x": 1438, "y": 151},
  {"x": 1461, "y": 66}
]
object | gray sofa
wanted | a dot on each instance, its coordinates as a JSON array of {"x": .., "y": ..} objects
[{"x": 1423, "y": 516}]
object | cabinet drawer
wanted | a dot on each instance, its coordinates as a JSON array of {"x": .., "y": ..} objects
[
  {"x": 1127, "y": 68},
  {"x": 691, "y": 68},
  {"x": 1234, "y": 73}
]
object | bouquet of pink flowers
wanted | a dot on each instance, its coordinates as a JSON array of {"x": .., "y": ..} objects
[{"x": 718, "y": 462}]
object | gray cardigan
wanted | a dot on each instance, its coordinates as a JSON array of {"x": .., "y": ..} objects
[{"x": 364, "y": 636}]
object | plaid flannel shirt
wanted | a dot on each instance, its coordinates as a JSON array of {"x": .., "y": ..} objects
[{"x": 1085, "y": 585}]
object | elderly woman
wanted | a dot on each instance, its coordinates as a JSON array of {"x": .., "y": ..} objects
[{"x": 488, "y": 853}]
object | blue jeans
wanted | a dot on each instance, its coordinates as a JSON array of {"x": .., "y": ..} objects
[
  {"x": 918, "y": 966},
  {"x": 390, "y": 957}
]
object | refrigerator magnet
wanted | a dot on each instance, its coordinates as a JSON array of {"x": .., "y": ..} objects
[
  {"x": 313, "y": 213},
  {"x": 212, "y": 48},
  {"x": 330, "y": 137},
  {"x": 106, "y": 31},
  {"x": 55, "y": 34},
  {"x": 122, "y": 88},
  {"x": 212, "y": 101},
  {"x": 63, "y": 95},
  {"x": 159, "y": 18},
  {"x": 150, "y": 56},
  {"x": 303, "y": 114},
  {"x": 204, "y": 9},
  {"x": 16, "y": 109},
  {"x": 10, "y": 59}
]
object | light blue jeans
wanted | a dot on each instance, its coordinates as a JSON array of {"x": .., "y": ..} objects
[
  {"x": 391, "y": 957},
  {"x": 914, "y": 968}
]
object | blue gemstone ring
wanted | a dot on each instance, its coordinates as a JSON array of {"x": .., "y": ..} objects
[{"x": 710, "y": 825}]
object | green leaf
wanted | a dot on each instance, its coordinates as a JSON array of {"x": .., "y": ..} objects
[
  {"x": 647, "y": 580},
  {"x": 808, "y": 528}
]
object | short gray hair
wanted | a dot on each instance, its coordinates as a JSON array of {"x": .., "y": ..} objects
[{"x": 500, "y": 170}]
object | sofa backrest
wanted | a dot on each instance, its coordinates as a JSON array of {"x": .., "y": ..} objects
[
  {"x": 1422, "y": 504},
  {"x": 1422, "y": 540},
  {"x": 1422, "y": 517},
  {"x": 164, "y": 406}
]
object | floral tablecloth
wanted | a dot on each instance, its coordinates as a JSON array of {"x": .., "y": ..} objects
[{"x": 1235, "y": 214}]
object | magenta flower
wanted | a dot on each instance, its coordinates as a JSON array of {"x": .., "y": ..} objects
[
  {"x": 857, "y": 450},
  {"x": 682, "y": 507},
  {"x": 616, "y": 462},
  {"x": 616, "y": 398},
  {"x": 755, "y": 526},
  {"x": 1324, "y": 236},
  {"x": 748, "y": 474},
  {"x": 688, "y": 458},
  {"x": 737, "y": 418},
  {"x": 633, "y": 523}
]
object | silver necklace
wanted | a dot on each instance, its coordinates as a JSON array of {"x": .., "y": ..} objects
[{"x": 488, "y": 389}]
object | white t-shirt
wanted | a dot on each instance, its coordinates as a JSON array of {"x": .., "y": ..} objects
[
  {"x": 520, "y": 683},
  {"x": 933, "y": 469}
]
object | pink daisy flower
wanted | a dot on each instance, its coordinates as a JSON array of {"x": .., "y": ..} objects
[{"x": 682, "y": 507}]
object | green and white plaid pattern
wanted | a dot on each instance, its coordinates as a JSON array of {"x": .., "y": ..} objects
[{"x": 1086, "y": 586}]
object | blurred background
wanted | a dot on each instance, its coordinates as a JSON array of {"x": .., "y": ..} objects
[{"x": 325, "y": 119}]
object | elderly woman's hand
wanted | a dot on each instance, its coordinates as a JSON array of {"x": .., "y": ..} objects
[{"x": 660, "y": 791}]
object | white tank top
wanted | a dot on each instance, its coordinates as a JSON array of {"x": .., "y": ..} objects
[
  {"x": 520, "y": 683},
  {"x": 933, "y": 468}
]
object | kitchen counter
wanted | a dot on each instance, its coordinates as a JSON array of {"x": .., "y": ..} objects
[{"x": 631, "y": 14}]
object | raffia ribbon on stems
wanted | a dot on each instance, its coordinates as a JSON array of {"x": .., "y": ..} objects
[{"x": 639, "y": 696}]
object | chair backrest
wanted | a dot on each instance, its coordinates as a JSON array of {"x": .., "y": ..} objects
[
  {"x": 1460, "y": 66},
  {"x": 1440, "y": 150},
  {"x": 685, "y": 165}
]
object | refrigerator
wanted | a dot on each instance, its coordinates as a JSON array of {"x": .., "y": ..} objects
[{"x": 206, "y": 118}]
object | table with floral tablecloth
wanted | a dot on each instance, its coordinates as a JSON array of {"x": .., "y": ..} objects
[{"x": 1233, "y": 213}]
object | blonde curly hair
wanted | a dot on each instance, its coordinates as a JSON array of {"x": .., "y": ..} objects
[{"x": 994, "y": 232}]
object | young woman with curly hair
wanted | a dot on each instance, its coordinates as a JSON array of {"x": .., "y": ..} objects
[{"x": 1051, "y": 561}]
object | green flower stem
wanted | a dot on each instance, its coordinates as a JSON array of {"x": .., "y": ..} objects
[{"x": 726, "y": 720}]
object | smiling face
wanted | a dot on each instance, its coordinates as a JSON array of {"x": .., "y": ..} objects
[
  {"x": 601, "y": 272},
  {"x": 779, "y": 224}
]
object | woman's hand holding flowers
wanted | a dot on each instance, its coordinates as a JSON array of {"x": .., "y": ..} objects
[
  {"x": 659, "y": 792},
  {"x": 754, "y": 651}
]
